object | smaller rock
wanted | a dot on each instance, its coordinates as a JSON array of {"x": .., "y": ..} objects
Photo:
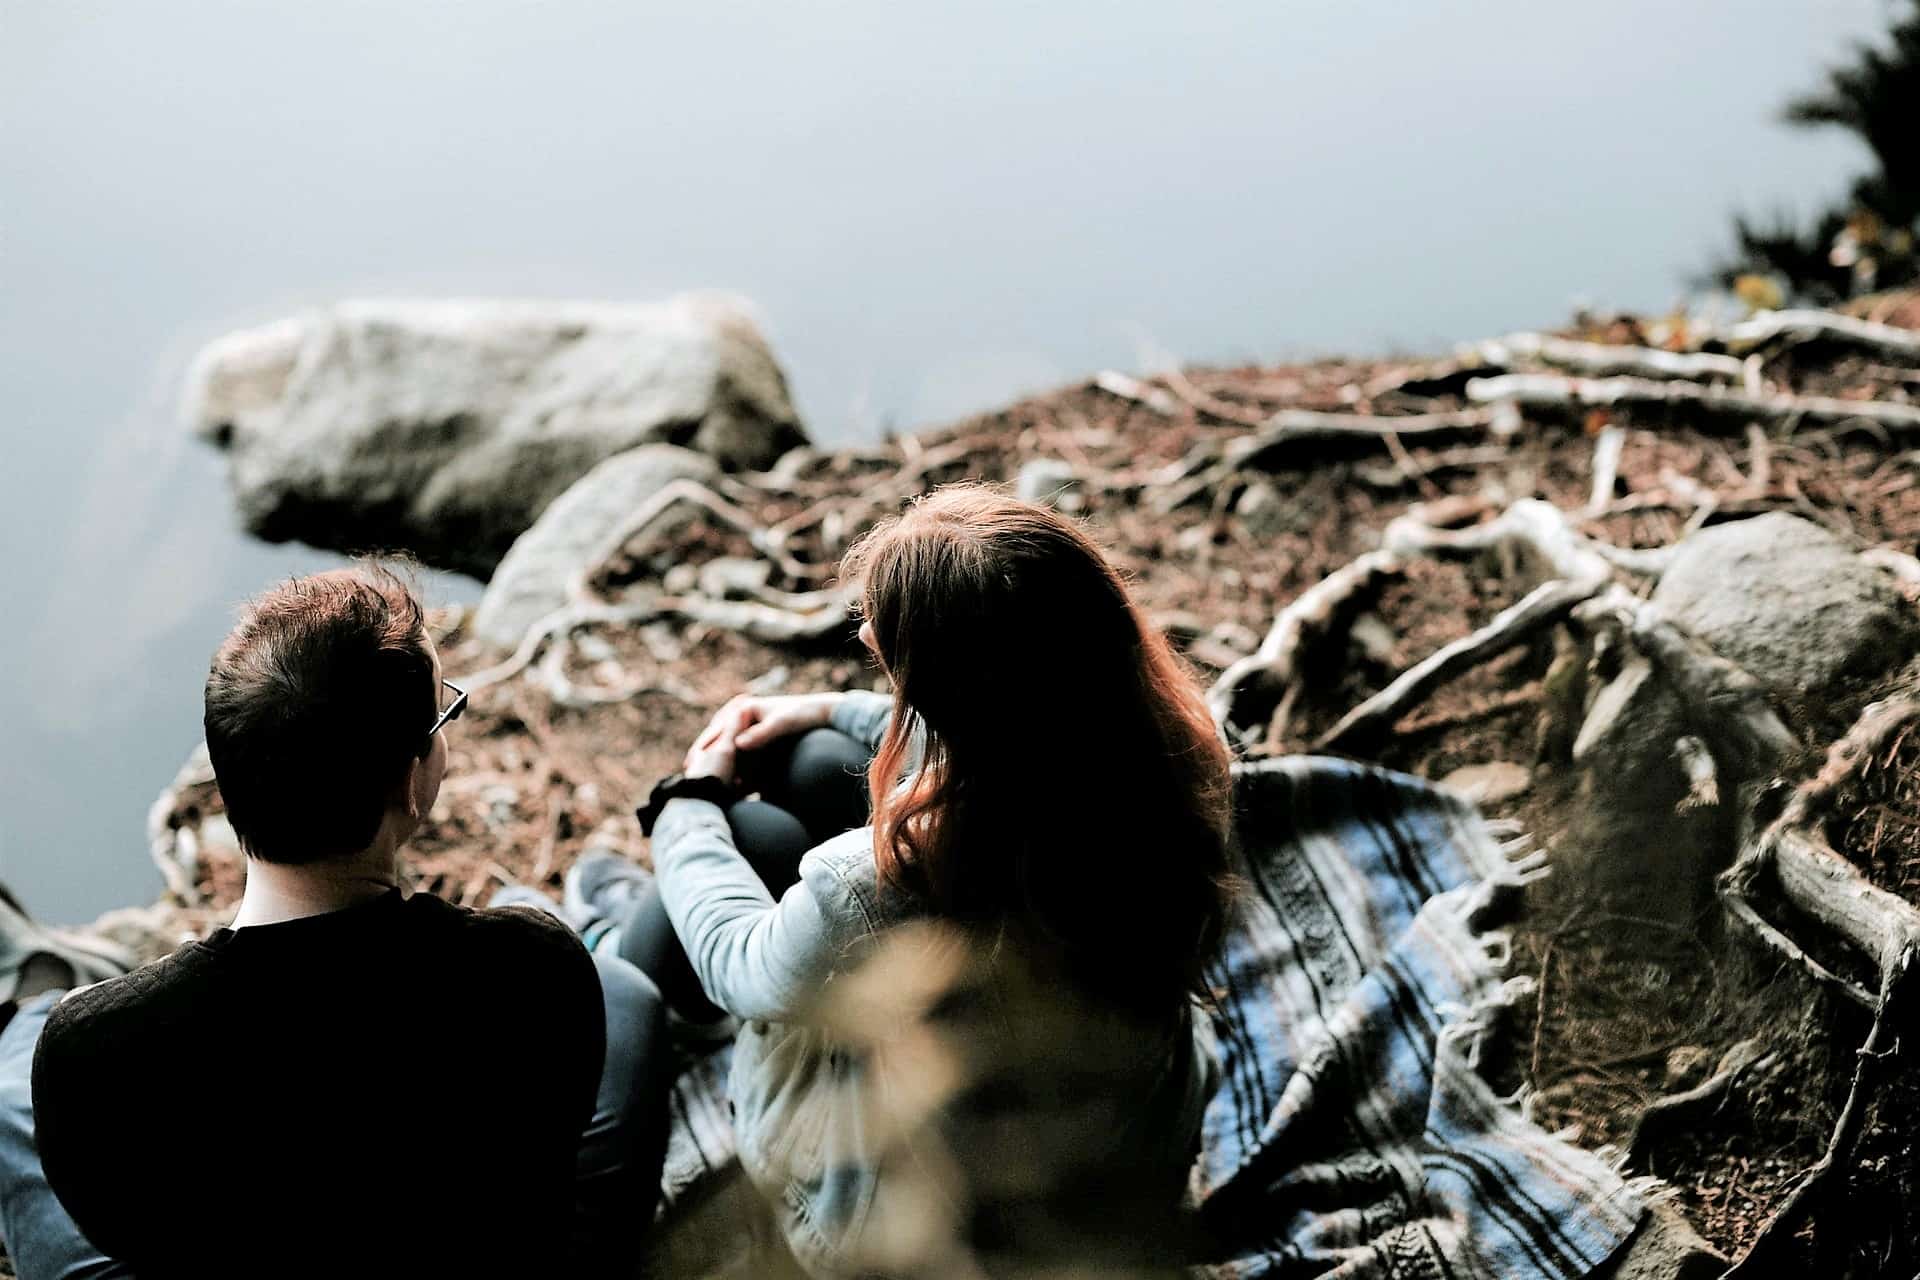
[
  {"x": 594, "y": 648},
  {"x": 1051, "y": 482},
  {"x": 1489, "y": 783},
  {"x": 1263, "y": 511},
  {"x": 730, "y": 578},
  {"x": 1375, "y": 638},
  {"x": 532, "y": 579},
  {"x": 1688, "y": 1065}
]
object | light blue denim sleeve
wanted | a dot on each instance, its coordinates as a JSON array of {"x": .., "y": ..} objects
[
  {"x": 863, "y": 715},
  {"x": 758, "y": 959}
]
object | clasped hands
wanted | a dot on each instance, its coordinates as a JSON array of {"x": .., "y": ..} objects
[{"x": 748, "y": 723}]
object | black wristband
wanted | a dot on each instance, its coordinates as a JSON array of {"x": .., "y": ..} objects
[{"x": 680, "y": 786}]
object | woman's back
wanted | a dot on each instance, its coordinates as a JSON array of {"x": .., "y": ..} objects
[
  {"x": 951, "y": 1096},
  {"x": 971, "y": 1024}
]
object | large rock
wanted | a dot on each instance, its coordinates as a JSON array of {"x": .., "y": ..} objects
[
  {"x": 1789, "y": 602},
  {"x": 1796, "y": 608},
  {"x": 532, "y": 579},
  {"x": 445, "y": 428}
]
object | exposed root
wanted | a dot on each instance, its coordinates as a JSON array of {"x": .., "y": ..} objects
[
  {"x": 1873, "y": 1060},
  {"x": 1824, "y": 326},
  {"x": 1596, "y": 359},
  {"x": 559, "y": 622},
  {"x": 1127, "y": 387},
  {"x": 1535, "y": 532},
  {"x": 1302, "y": 436},
  {"x": 1682, "y": 1110},
  {"x": 1247, "y": 691},
  {"x": 1703, "y": 776},
  {"x": 1558, "y": 391},
  {"x": 770, "y": 615},
  {"x": 1904, "y": 567},
  {"x": 1848, "y": 758},
  {"x": 551, "y": 674},
  {"x": 1545, "y": 605},
  {"x": 1724, "y": 702},
  {"x": 1606, "y": 466}
]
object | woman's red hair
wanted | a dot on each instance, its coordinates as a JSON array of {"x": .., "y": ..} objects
[{"x": 1071, "y": 788}]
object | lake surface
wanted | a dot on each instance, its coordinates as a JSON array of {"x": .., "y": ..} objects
[{"x": 935, "y": 211}]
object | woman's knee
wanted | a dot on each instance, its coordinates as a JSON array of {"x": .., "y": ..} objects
[
  {"x": 826, "y": 781},
  {"x": 771, "y": 839}
]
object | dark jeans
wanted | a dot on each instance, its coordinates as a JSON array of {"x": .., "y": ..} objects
[
  {"x": 812, "y": 787},
  {"x": 616, "y": 1180}
]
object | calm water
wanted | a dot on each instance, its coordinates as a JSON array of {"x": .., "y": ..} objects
[{"x": 935, "y": 211}]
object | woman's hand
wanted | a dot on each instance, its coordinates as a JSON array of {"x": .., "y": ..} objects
[
  {"x": 748, "y": 722},
  {"x": 753, "y": 722},
  {"x": 711, "y": 757}
]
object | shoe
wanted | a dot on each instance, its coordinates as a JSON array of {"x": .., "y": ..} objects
[
  {"x": 600, "y": 886},
  {"x": 89, "y": 959}
]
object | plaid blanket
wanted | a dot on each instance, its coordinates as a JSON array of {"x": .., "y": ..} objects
[{"x": 1352, "y": 1133}]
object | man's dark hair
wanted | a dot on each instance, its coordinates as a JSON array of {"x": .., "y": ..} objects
[{"x": 316, "y": 704}]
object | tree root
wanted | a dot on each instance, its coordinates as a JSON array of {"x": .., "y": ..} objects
[
  {"x": 1558, "y": 391},
  {"x": 551, "y": 674},
  {"x": 1791, "y": 860},
  {"x": 1535, "y": 532},
  {"x": 1849, "y": 758},
  {"x": 1823, "y": 326},
  {"x": 1724, "y": 701},
  {"x": 1678, "y": 1110},
  {"x": 1595, "y": 359},
  {"x": 770, "y": 615},
  {"x": 1606, "y": 467},
  {"x": 1127, "y": 387},
  {"x": 1305, "y": 436},
  {"x": 1545, "y": 605},
  {"x": 1873, "y": 1060},
  {"x": 1247, "y": 691},
  {"x": 1569, "y": 567}
]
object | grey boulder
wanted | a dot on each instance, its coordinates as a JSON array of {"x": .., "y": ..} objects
[
  {"x": 1792, "y": 605},
  {"x": 445, "y": 427},
  {"x": 1787, "y": 601},
  {"x": 533, "y": 578}
]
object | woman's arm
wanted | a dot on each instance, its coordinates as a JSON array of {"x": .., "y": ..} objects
[
  {"x": 758, "y": 959},
  {"x": 862, "y": 716}
]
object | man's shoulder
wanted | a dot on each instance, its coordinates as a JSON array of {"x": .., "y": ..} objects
[
  {"x": 110, "y": 1013},
  {"x": 510, "y": 952},
  {"x": 525, "y": 930}
]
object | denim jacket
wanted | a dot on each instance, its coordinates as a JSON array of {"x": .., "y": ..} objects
[{"x": 818, "y": 1108}]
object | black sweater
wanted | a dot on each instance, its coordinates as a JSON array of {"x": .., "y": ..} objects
[{"x": 394, "y": 1089}]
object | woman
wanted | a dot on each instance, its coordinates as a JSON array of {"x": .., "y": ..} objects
[{"x": 969, "y": 1027}]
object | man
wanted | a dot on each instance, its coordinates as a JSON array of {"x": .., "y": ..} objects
[{"x": 348, "y": 1080}]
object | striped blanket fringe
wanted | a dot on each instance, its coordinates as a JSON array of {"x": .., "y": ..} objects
[{"x": 1354, "y": 1133}]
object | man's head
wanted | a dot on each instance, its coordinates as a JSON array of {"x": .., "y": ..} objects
[{"x": 317, "y": 716}]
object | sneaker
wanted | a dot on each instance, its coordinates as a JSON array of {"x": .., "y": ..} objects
[
  {"x": 600, "y": 886},
  {"x": 89, "y": 959}
]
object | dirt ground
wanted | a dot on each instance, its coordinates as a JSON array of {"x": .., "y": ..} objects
[{"x": 1627, "y": 1009}]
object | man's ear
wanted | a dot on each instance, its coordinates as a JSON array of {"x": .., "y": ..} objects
[{"x": 410, "y": 788}]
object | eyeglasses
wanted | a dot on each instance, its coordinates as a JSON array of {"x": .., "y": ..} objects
[{"x": 454, "y": 708}]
